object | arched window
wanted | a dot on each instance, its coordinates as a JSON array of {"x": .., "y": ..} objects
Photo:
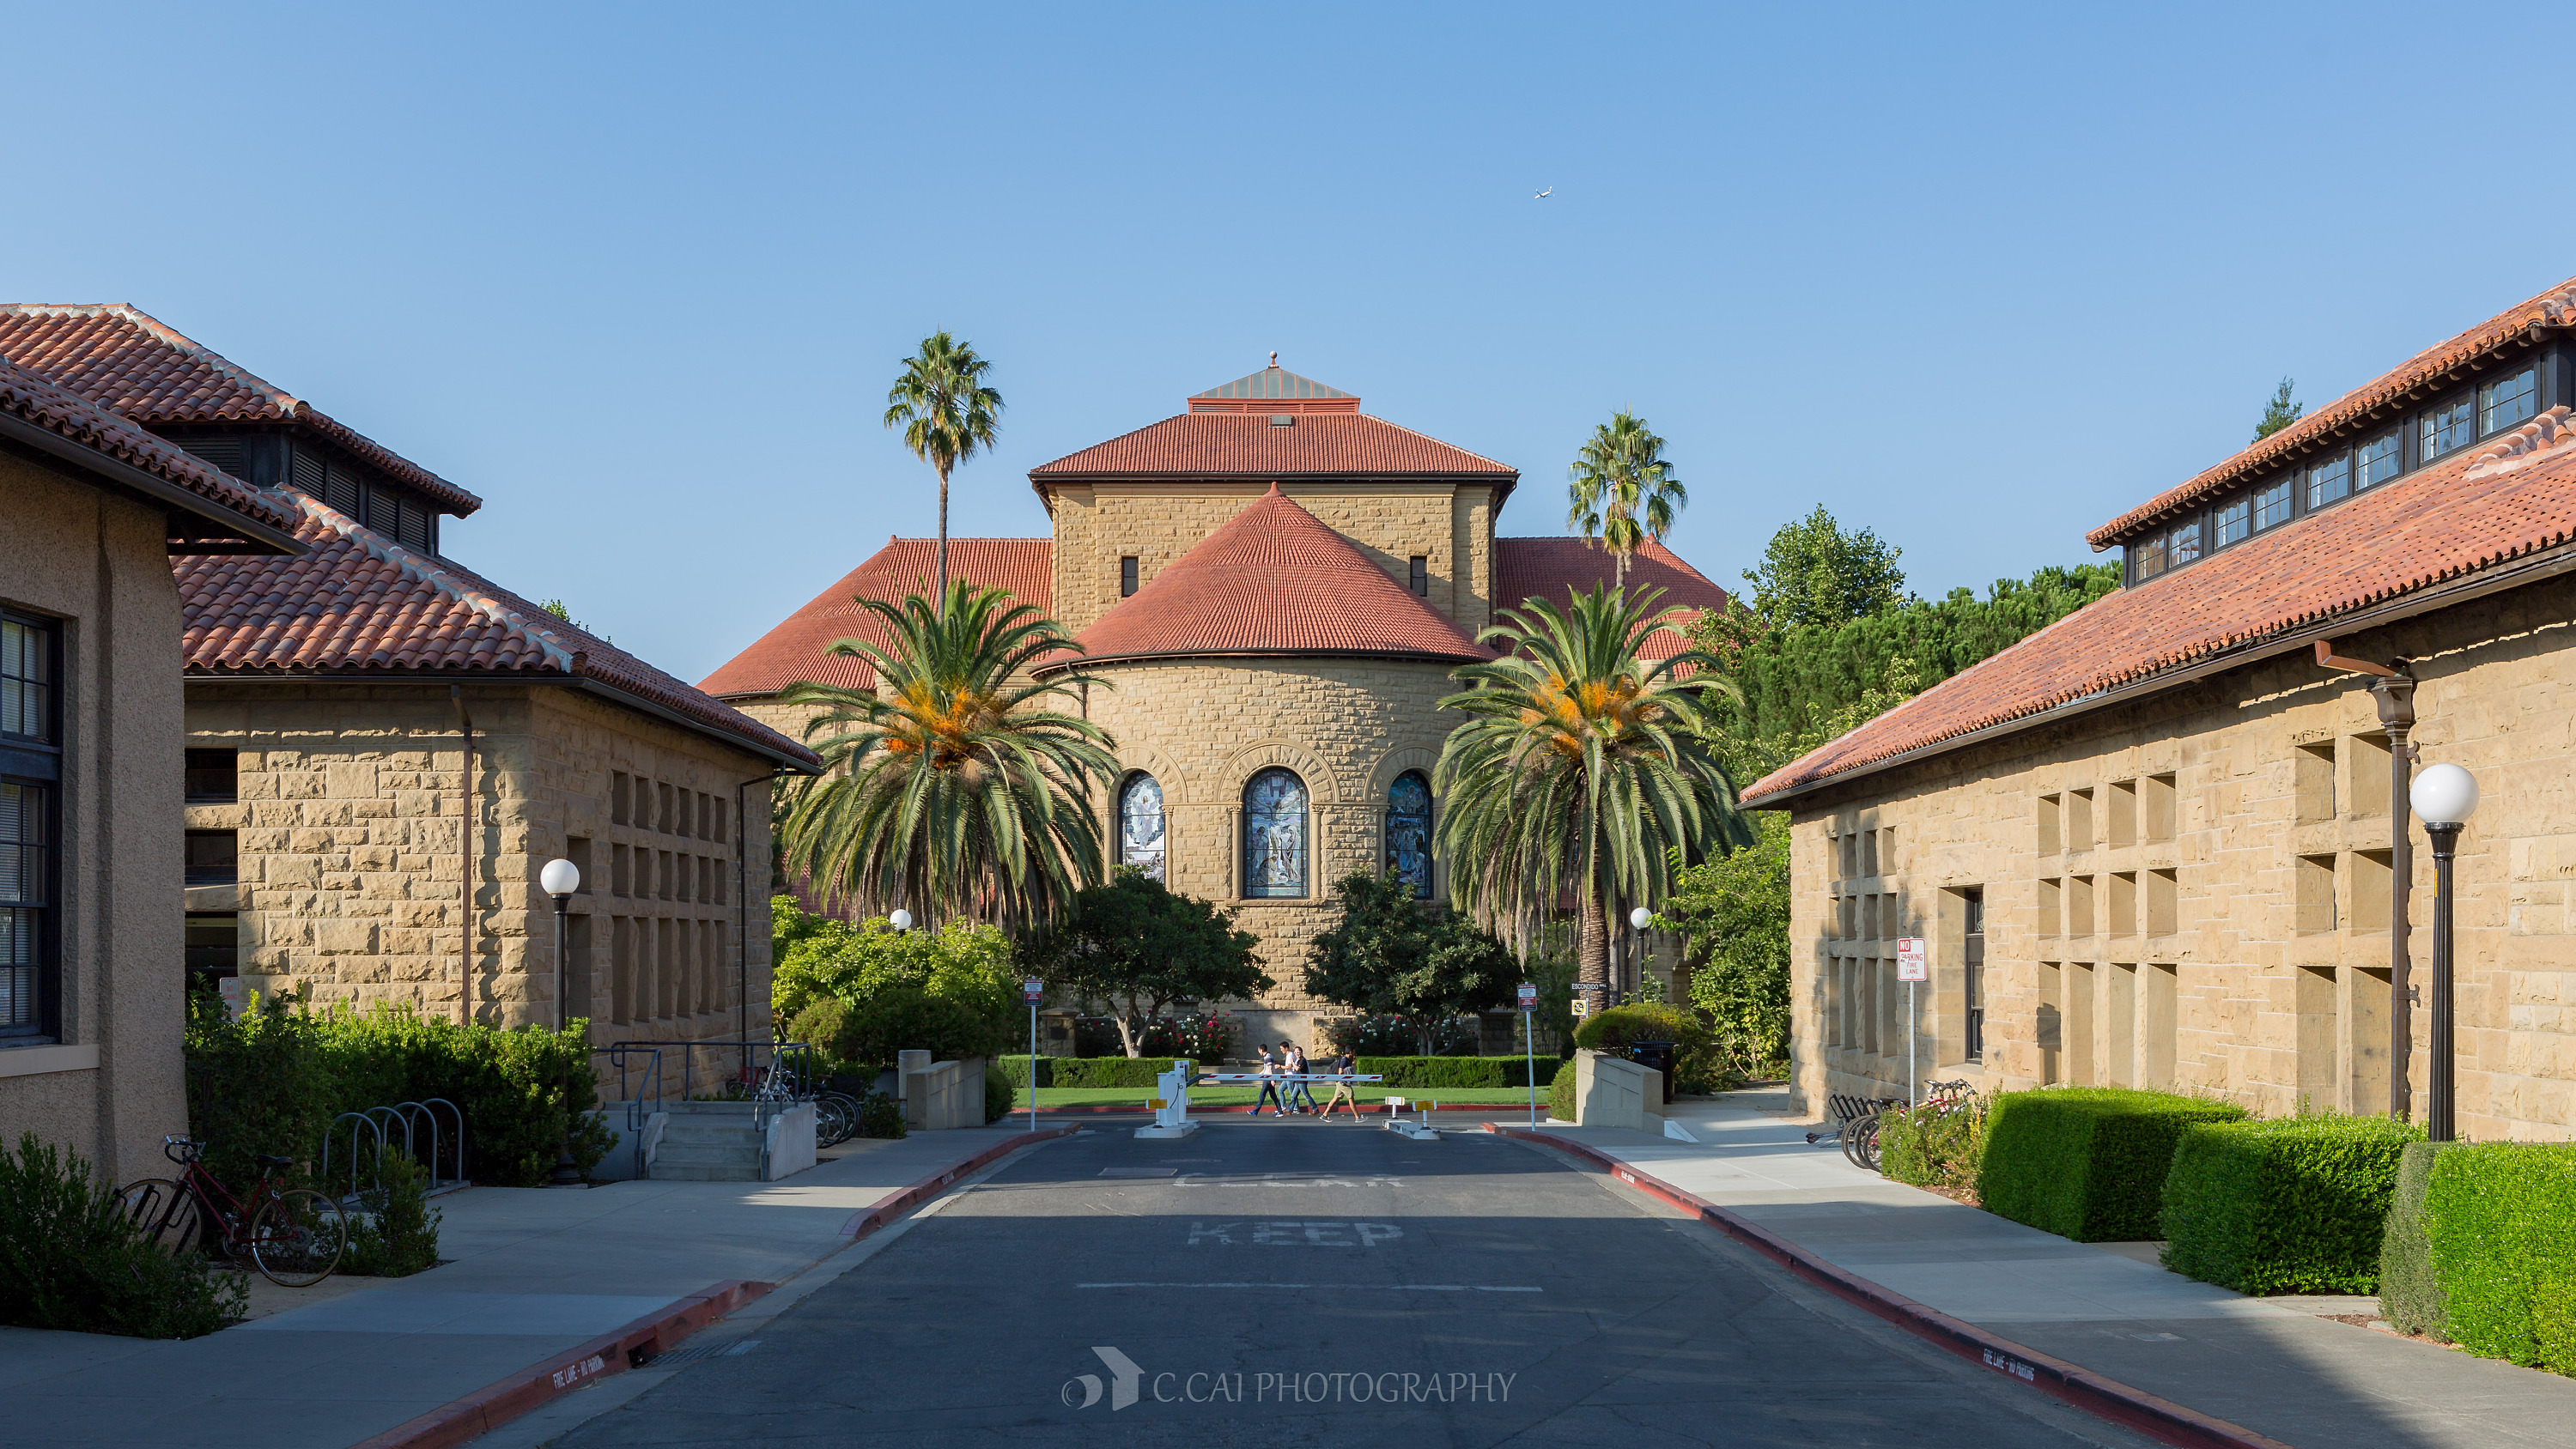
[
  {"x": 1274, "y": 835},
  {"x": 1408, "y": 831},
  {"x": 1140, "y": 825}
]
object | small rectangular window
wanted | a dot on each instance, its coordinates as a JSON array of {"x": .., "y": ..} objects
[
  {"x": 2272, "y": 506},
  {"x": 26, "y": 680},
  {"x": 617, "y": 793},
  {"x": 213, "y": 858},
  {"x": 1973, "y": 978},
  {"x": 1127, "y": 577},
  {"x": 2234, "y": 521},
  {"x": 1421, "y": 584},
  {"x": 2446, "y": 428},
  {"x": 2331, "y": 480},
  {"x": 213, "y": 950},
  {"x": 2508, "y": 400},
  {"x": 2147, "y": 558},
  {"x": 213, "y": 777},
  {"x": 2376, "y": 461},
  {"x": 2183, "y": 544},
  {"x": 27, "y": 944}
]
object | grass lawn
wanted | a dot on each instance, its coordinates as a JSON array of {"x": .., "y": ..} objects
[{"x": 1229, "y": 1096}]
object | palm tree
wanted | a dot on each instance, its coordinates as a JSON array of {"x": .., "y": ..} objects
[
  {"x": 1620, "y": 478},
  {"x": 1581, "y": 768},
  {"x": 949, "y": 787},
  {"x": 947, "y": 414}
]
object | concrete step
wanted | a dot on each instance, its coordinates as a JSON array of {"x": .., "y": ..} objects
[
  {"x": 665, "y": 1171},
  {"x": 707, "y": 1152}
]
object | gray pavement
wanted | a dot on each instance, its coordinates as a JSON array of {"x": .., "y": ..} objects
[
  {"x": 534, "y": 1272},
  {"x": 1469, "y": 1291},
  {"x": 2277, "y": 1366}
]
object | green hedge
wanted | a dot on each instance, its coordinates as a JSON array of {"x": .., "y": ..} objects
[
  {"x": 1560, "y": 1095},
  {"x": 1086, "y": 1071},
  {"x": 999, "y": 1094},
  {"x": 2087, "y": 1163},
  {"x": 2298, "y": 1205},
  {"x": 2498, "y": 1216},
  {"x": 2410, "y": 1296}
]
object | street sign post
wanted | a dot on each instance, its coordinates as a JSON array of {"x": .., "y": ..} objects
[
  {"x": 1035, "y": 991},
  {"x": 1910, "y": 969},
  {"x": 1529, "y": 1043}
]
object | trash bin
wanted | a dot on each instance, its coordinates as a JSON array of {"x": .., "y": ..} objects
[{"x": 1658, "y": 1055}]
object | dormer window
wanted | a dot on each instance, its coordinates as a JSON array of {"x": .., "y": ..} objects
[
  {"x": 1421, "y": 581},
  {"x": 2447, "y": 428},
  {"x": 2272, "y": 506},
  {"x": 2234, "y": 521},
  {"x": 2330, "y": 480},
  {"x": 2182, "y": 545},
  {"x": 2508, "y": 401},
  {"x": 2376, "y": 461}
]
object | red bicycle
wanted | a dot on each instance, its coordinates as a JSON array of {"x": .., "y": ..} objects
[{"x": 294, "y": 1236}]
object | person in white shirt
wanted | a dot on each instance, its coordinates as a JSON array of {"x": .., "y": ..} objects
[{"x": 1269, "y": 1088}]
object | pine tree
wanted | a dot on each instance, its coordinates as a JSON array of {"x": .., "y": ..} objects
[{"x": 2279, "y": 413}]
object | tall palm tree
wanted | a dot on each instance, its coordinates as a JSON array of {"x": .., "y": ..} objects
[
  {"x": 947, "y": 414},
  {"x": 950, "y": 788},
  {"x": 1622, "y": 489},
  {"x": 1581, "y": 768}
]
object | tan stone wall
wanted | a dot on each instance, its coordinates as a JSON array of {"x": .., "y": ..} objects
[
  {"x": 1348, "y": 728},
  {"x": 2244, "y": 949},
  {"x": 350, "y": 798},
  {"x": 110, "y": 1087},
  {"x": 1450, "y": 525}
]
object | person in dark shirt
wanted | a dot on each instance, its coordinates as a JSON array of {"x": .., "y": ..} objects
[
  {"x": 1342, "y": 1093},
  {"x": 1295, "y": 1057}
]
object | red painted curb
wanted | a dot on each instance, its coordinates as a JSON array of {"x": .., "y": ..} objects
[
  {"x": 2104, "y": 1398},
  {"x": 903, "y": 1200},
  {"x": 637, "y": 1343},
  {"x": 1496, "y": 1108}
]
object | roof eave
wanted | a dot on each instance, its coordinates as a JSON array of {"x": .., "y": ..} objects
[
  {"x": 2532, "y": 568},
  {"x": 238, "y": 527}
]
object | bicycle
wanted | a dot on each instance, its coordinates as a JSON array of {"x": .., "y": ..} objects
[
  {"x": 293, "y": 1235},
  {"x": 1940, "y": 1099},
  {"x": 836, "y": 1114}
]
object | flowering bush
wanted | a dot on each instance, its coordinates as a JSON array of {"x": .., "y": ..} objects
[
  {"x": 1398, "y": 1036},
  {"x": 1201, "y": 1038}
]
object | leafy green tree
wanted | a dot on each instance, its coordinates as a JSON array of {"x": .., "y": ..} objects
[
  {"x": 1582, "y": 767},
  {"x": 1816, "y": 572},
  {"x": 2280, "y": 412},
  {"x": 817, "y": 957},
  {"x": 1622, "y": 490},
  {"x": 1734, "y": 913},
  {"x": 947, "y": 414},
  {"x": 950, "y": 786},
  {"x": 1393, "y": 955},
  {"x": 1140, "y": 947}
]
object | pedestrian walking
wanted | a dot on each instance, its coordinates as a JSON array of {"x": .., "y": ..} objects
[
  {"x": 1342, "y": 1093},
  {"x": 1269, "y": 1075},
  {"x": 1295, "y": 1056}
]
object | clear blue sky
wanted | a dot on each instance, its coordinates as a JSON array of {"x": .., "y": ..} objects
[{"x": 640, "y": 277}]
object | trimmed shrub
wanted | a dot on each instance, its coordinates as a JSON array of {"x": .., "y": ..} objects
[
  {"x": 998, "y": 1095},
  {"x": 2409, "y": 1294},
  {"x": 822, "y": 1026},
  {"x": 1933, "y": 1149},
  {"x": 2297, "y": 1205},
  {"x": 397, "y": 1233},
  {"x": 1456, "y": 1071},
  {"x": 70, "y": 1260},
  {"x": 881, "y": 1115},
  {"x": 907, "y": 1018},
  {"x": 2087, "y": 1163},
  {"x": 1560, "y": 1095},
  {"x": 2497, "y": 1215},
  {"x": 1695, "y": 1063}
]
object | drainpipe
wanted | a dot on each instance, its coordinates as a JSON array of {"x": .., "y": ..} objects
[
  {"x": 465, "y": 863},
  {"x": 2395, "y": 697}
]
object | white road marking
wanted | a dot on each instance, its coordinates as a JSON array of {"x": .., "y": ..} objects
[{"x": 1342, "y": 1287}]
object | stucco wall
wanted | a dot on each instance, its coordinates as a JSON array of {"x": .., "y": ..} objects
[
  {"x": 2244, "y": 950},
  {"x": 1097, "y": 524},
  {"x": 96, "y": 561}
]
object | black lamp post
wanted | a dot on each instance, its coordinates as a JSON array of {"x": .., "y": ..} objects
[
  {"x": 560, "y": 879},
  {"x": 2445, "y": 796}
]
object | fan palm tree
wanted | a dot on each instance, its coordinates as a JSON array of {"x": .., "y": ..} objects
[
  {"x": 947, "y": 414},
  {"x": 1581, "y": 768},
  {"x": 950, "y": 788},
  {"x": 1623, "y": 491}
]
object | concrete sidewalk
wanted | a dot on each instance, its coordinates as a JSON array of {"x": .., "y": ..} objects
[
  {"x": 2275, "y": 1366},
  {"x": 535, "y": 1272}
]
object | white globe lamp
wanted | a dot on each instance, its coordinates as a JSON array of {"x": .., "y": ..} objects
[
  {"x": 901, "y": 920},
  {"x": 2444, "y": 794}
]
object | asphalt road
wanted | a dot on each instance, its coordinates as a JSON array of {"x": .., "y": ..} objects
[{"x": 1287, "y": 1284}]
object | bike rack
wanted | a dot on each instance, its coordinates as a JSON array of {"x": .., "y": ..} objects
[{"x": 410, "y": 1117}]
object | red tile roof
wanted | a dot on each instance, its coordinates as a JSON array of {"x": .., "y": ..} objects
[
  {"x": 1236, "y": 444},
  {"x": 2451, "y": 522},
  {"x": 2551, "y": 310},
  {"x": 227, "y": 500},
  {"x": 1558, "y": 568},
  {"x": 1274, "y": 579},
  {"x": 796, "y": 650},
  {"x": 125, "y": 361},
  {"x": 360, "y": 603}
]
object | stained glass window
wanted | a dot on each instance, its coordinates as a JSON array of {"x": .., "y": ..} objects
[
  {"x": 1140, "y": 825},
  {"x": 1408, "y": 832},
  {"x": 1274, "y": 835}
]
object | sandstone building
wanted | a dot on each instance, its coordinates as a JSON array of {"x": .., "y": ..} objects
[
  {"x": 90, "y": 738},
  {"x": 1276, "y": 586},
  {"x": 383, "y": 748},
  {"x": 2163, "y": 840}
]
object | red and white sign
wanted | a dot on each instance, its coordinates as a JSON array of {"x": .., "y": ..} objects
[
  {"x": 1033, "y": 990},
  {"x": 1529, "y": 997},
  {"x": 1909, "y": 960}
]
